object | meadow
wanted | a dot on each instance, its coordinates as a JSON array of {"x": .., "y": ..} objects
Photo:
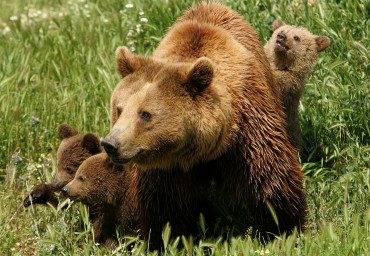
[{"x": 57, "y": 66}]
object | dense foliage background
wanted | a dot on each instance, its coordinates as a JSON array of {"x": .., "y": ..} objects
[{"x": 57, "y": 65}]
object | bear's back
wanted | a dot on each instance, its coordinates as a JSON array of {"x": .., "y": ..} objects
[{"x": 229, "y": 20}]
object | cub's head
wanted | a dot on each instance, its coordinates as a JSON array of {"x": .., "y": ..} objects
[
  {"x": 295, "y": 46},
  {"x": 163, "y": 114},
  {"x": 95, "y": 181},
  {"x": 73, "y": 150}
]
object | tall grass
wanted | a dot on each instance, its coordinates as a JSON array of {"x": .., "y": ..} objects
[{"x": 57, "y": 65}]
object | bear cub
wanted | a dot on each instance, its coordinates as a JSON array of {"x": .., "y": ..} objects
[
  {"x": 292, "y": 52},
  {"x": 98, "y": 181},
  {"x": 73, "y": 150}
]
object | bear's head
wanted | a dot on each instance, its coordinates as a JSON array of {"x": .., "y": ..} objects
[
  {"x": 295, "y": 46},
  {"x": 96, "y": 181},
  {"x": 165, "y": 114},
  {"x": 73, "y": 150}
]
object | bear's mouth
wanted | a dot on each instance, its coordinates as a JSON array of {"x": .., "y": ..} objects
[
  {"x": 282, "y": 45},
  {"x": 116, "y": 159}
]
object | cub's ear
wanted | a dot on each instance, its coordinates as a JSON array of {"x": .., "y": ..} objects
[
  {"x": 126, "y": 62},
  {"x": 322, "y": 42},
  {"x": 200, "y": 75},
  {"x": 91, "y": 143},
  {"x": 66, "y": 131},
  {"x": 277, "y": 24}
]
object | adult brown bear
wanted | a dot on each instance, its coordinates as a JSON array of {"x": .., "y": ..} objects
[{"x": 201, "y": 111}]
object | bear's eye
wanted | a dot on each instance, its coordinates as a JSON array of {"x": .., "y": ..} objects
[
  {"x": 81, "y": 178},
  {"x": 145, "y": 115},
  {"x": 119, "y": 111},
  {"x": 296, "y": 38},
  {"x": 69, "y": 170}
]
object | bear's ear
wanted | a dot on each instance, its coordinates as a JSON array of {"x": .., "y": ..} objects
[
  {"x": 200, "y": 75},
  {"x": 91, "y": 143},
  {"x": 126, "y": 62},
  {"x": 66, "y": 131},
  {"x": 277, "y": 24},
  {"x": 322, "y": 42}
]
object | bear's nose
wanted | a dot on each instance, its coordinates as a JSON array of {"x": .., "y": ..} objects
[
  {"x": 65, "y": 191},
  {"x": 110, "y": 145},
  {"x": 281, "y": 36}
]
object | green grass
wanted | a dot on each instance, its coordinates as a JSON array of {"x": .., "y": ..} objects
[{"x": 57, "y": 65}]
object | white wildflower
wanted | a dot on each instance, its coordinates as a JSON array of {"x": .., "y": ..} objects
[
  {"x": 132, "y": 48},
  {"x": 106, "y": 20},
  {"x": 13, "y": 18},
  {"x": 44, "y": 16},
  {"x": 141, "y": 13},
  {"x": 144, "y": 19},
  {"x": 129, "y": 6},
  {"x": 6, "y": 30},
  {"x": 24, "y": 19},
  {"x": 61, "y": 14}
]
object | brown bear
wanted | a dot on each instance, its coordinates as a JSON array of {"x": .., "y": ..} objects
[
  {"x": 200, "y": 113},
  {"x": 117, "y": 189},
  {"x": 292, "y": 52},
  {"x": 98, "y": 181},
  {"x": 73, "y": 150}
]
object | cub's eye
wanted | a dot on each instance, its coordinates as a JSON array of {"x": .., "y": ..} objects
[
  {"x": 119, "y": 111},
  {"x": 81, "y": 178},
  {"x": 146, "y": 116},
  {"x": 296, "y": 38},
  {"x": 69, "y": 170}
]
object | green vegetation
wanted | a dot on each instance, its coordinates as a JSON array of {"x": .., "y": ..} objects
[{"x": 57, "y": 65}]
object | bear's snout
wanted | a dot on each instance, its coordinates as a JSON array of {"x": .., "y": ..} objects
[
  {"x": 281, "y": 36},
  {"x": 110, "y": 145}
]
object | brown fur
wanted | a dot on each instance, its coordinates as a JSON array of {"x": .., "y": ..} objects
[
  {"x": 203, "y": 106},
  {"x": 42, "y": 194},
  {"x": 220, "y": 16},
  {"x": 74, "y": 149},
  {"x": 72, "y": 152},
  {"x": 290, "y": 64},
  {"x": 98, "y": 181}
]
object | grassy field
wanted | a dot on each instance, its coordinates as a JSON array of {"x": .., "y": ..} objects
[{"x": 57, "y": 65}]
